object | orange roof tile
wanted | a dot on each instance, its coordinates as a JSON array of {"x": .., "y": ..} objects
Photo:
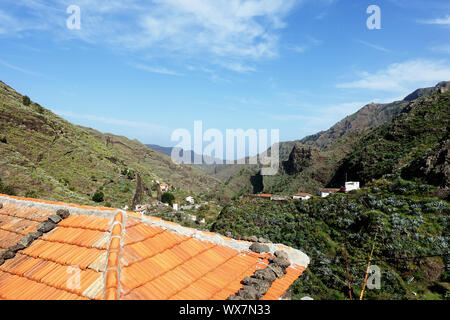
[{"x": 104, "y": 253}]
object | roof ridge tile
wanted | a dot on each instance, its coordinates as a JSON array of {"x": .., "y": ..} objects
[{"x": 112, "y": 279}]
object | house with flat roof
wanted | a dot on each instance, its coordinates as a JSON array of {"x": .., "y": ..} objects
[
  {"x": 327, "y": 191},
  {"x": 302, "y": 196},
  {"x": 350, "y": 186}
]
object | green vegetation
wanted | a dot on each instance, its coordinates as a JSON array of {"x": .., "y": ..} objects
[
  {"x": 168, "y": 197},
  {"x": 98, "y": 197},
  {"x": 56, "y": 160},
  {"x": 5, "y": 189},
  {"x": 416, "y": 137},
  {"x": 26, "y": 101},
  {"x": 411, "y": 224}
]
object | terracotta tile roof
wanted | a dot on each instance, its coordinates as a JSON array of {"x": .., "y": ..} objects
[
  {"x": 104, "y": 253},
  {"x": 330, "y": 190}
]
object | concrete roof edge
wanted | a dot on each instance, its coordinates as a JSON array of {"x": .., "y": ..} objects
[{"x": 296, "y": 256}]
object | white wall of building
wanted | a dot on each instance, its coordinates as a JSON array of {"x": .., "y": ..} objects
[{"x": 352, "y": 185}]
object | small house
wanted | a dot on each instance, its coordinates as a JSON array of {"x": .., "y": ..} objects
[
  {"x": 350, "y": 186},
  {"x": 190, "y": 199},
  {"x": 279, "y": 198},
  {"x": 327, "y": 191},
  {"x": 302, "y": 196}
]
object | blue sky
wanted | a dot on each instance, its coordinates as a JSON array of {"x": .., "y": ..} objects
[{"x": 145, "y": 68}]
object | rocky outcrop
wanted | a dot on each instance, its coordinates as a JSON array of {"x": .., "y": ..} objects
[
  {"x": 300, "y": 158},
  {"x": 433, "y": 168},
  {"x": 441, "y": 87},
  {"x": 139, "y": 193}
]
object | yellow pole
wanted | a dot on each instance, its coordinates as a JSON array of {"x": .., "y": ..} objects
[{"x": 368, "y": 267}]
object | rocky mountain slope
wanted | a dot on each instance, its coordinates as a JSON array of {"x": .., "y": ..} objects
[
  {"x": 401, "y": 220},
  {"x": 321, "y": 159},
  {"x": 415, "y": 144},
  {"x": 43, "y": 155}
]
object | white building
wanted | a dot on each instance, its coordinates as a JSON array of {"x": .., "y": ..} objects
[
  {"x": 175, "y": 206},
  {"x": 190, "y": 199},
  {"x": 191, "y": 217},
  {"x": 352, "y": 185},
  {"x": 302, "y": 196}
]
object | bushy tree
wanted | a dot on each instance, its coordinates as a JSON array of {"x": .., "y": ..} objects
[
  {"x": 168, "y": 198},
  {"x": 98, "y": 197},
  {"x": 5, "y": 189},
  {"x": 26, "y": 100}
]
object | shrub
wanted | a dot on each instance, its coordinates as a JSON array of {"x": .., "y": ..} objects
[
  {"x": 98, "y": 197},
  {"x": 168, "y": 198},
  {"x": 40, "y": 109},
  {"x": 31, "y": 194},
  {"x": 26, "y": 100},
  {"x": 5, "y": 189}
]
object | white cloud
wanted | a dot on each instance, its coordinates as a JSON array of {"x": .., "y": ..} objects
[
  {"x": 402, "y": 77},
  {"x": 160, "y": 70},
  {"x": 240, "y": 30},
  {"x": 111, "y": 121},
  {"x": 238, "y": 67},
  {"x": 324, "y": 117},
  {"x": 374, "y": 46},
  {"x": 439, "y": 21},
  {"x": 445, "y": 48},
  {"x": 309, "y": 44},
  {"x": 16, "y": 68}
]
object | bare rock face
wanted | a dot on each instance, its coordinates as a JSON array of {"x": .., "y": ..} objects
[
  {"x": 434, "y": 167},
  {"x": 300, "y": 158},
  {"x": 139, "y": 193},
  {"x": 443, "y": 87}
]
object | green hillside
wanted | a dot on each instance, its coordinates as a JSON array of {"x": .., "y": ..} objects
[
  {"x": 409, "y": 135},
  {"x": 414, "y": 144},
  {"x": 407, "y": 225},
  {"x": 45, "y": 156}
]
